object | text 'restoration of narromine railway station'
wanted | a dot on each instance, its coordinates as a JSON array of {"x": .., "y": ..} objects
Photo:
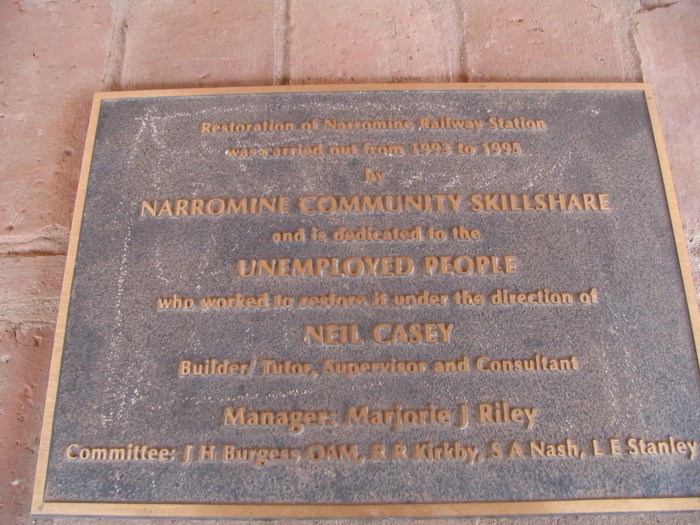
[{"x": 374, "y": 301}]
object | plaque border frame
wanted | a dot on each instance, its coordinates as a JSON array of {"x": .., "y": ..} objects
[{"x": 348, "y": 510}]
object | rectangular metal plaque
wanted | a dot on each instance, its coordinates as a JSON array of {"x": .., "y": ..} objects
[{"x": 361, "y": 301}]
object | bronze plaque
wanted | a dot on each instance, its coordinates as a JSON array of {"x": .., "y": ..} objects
[{"x": 365, "y": 301}]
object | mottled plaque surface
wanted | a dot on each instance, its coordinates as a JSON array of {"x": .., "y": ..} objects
[{"x": 392, "y": 300}]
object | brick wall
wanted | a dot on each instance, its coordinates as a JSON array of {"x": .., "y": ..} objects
[{"x": 55, "y": 54}]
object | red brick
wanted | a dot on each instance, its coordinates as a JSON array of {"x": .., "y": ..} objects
[
  {"x": 189, "y": 44},
  {"x": 28, "y": 306},
  {"x": 547, "y": 41},
  {"x": 336, "y": 41},
  {"x": 31, "y": 287},
  {"x": 53, "y": 60},
  {"x": 667, "y": 38},
  {"x": 24, "y": 364}
]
